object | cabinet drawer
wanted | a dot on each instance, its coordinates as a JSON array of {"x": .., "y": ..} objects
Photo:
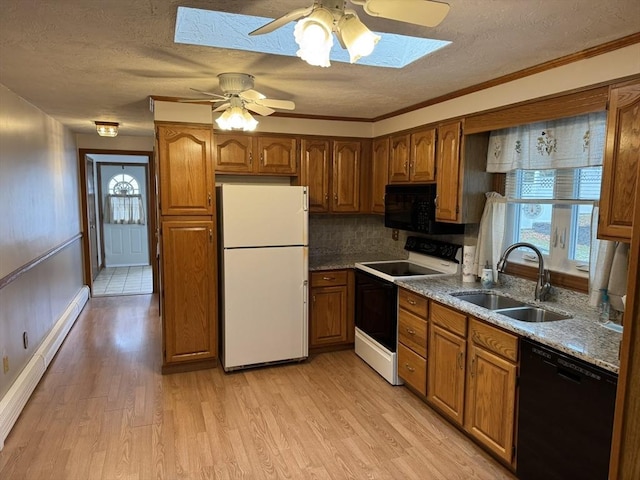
[
  {"x": 328, "y": 278},
  {"x": 412, "y": 368},
  {"x": 493, "y": 339},
  {"x": 412, "y": 332},
  {"x": 412, "y": 302},
  {"x": 449, "y": 319}
]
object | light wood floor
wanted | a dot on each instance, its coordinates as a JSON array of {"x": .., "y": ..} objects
[{"x": 103, "y": 410}]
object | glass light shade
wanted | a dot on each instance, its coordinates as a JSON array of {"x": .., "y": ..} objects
[
  {"x": 359, "y": 40},
  {"x": 107, "y": 129},
  {"x": 313, "y": 34},
  {"x": 236, "y": 118}
]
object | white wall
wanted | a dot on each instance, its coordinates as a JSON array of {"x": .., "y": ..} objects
[{"x": 41, "y": 210}]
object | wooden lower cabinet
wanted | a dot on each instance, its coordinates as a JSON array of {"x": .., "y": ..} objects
[
  {"x": 446, "y": 372},
  {"x": 188, "y": 293},
  {"x": 491, "y": 388},
  {"x": 412, "y": 340},
  {"x": 331, "y": 311}
]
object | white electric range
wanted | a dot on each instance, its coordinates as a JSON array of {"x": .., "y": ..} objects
[{"x": 376, "y": 338}]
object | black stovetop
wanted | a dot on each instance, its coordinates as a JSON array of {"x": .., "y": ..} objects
[{"x": 402, "y": 269}]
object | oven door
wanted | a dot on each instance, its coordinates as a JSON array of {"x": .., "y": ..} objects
[{"x": 376, "y": 309}]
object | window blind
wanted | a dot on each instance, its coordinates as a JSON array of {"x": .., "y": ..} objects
[{"x": 554, "y": 185}]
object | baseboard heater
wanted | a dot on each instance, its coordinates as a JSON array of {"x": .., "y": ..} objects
[{"x": 16, "y": 398}]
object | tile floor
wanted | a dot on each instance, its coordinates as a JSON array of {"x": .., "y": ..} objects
[{"x": 123, "y": 281}]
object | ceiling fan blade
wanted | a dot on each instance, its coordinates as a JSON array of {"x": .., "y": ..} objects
[
  {"x": 283, "y": 20},
  {"x": 209, "y": 94},
  {"x": 224, "y": 106},
  {"x": 418, "y": 12},
  {"x": 252, "y": 95},
  {"x": 259, "y": 109},
  {"x": 281, "y": 104},
  {"x": 201, "y": 100}
]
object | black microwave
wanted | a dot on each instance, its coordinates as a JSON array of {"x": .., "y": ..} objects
[{"x": 413, "y": 208}]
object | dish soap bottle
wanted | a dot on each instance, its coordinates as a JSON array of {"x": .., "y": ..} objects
[{"x": 487, "y": 276}]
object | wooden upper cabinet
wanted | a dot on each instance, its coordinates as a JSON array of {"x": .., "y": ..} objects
[
  {"x": 620, "y": 169},
  {"x": 277, "y": 155},
  {"x": 448, "y": 168},
  {"x": 233, "y": 153},
  {"x": 185, "y": 170},
  {"x": 315, "y": 174},
  {"x": 379, "y": 173},
  {"x": 256, "y": 155},
  {"x": 188, "y": 263},
  {"x": 422, "y": 158},
  {"x": 346, "y": 176},
  {"x": 399, "y": 158}
]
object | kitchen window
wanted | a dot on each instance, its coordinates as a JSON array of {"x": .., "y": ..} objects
[{"x": 552, "y": 209}]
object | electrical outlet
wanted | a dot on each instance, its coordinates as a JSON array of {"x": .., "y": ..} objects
[
  {"x": 5, "y": 364},
  {"x": 395, "y": 233}
]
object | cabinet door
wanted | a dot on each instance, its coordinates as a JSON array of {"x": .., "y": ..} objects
[
  {"x": 234, "y": 153},
  {"x": 315, "y": 173},
  {"x": 277, "y": 155},
  {"x": 328, "y": 316},
  {"x": 188, "y": 290},
  {"x": 490, "y": 401},
  {"x": 346, "y": 176},
  {"x": 422, "y": 161},
  {"x": 379, "y": 174},
  {"x": 619, "y": 175},
  {"x": 186, "y": 170},
  {"x": 399, "y": 159},
  {"x": 448, "y": 176},
  {"x": 446, "y": 364}
]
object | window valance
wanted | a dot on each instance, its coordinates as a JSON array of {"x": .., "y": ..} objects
[{"x": 565, "y": 143}]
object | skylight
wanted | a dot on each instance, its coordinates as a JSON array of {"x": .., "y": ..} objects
[{"x": 230, "y": 30}]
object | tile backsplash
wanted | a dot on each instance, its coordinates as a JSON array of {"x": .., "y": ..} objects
[{"x": 359, "y": 234}]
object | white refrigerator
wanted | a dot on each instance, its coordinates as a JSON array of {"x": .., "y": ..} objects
[{"x": 263, "y": 274}]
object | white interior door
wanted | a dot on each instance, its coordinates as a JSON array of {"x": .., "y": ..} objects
[
  {"x": 127, "y": 244},
  {"x": 264, "y": 305}
]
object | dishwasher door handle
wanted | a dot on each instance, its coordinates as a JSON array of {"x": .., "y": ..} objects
[{"x": 572, "y": 377}]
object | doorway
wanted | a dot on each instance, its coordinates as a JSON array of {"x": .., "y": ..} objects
[{"x": 119, "y": 222}]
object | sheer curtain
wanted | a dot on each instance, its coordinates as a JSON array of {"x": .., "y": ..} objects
[
  {"x": 608, "y": 264},
  {"x": 124, "y": 209},
  {"x": 491, "y": 234}
]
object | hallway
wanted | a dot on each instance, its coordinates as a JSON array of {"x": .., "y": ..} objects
[{"x": 104, "y": 411}]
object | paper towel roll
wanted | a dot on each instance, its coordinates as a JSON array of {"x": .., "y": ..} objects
[{"x": 468, "y": 254}]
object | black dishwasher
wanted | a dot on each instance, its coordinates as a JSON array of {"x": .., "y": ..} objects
[{"x": 565, "y": 416}]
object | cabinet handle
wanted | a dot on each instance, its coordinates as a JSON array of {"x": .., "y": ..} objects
[
  {"x": 326, "y": 196},
  {"x": 411, "y": 302},
  {"x": 460, "y": 365},
  {"x": 411, "y": 331},
  {"x": 335, "y": 197},
  {"x": 210, "y": 235},
  {"x": 473, "y": 367},
  {"x": 313, "y": 299},
  {"x": 329, "y": 279},
  {"x": 435, "y": 201},
  {"x": 250, "y": 158},
  {"x": 408, "y": 367},
  {"x": 209, "y": 198},
  {"x": 261, "y": 159}
]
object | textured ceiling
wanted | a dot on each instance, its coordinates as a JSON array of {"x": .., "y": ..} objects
[{"x": 86, "y": 60}]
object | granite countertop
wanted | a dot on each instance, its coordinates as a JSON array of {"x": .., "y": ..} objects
[{"x": 581, "y": 336}]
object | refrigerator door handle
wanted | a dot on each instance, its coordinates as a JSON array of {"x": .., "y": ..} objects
[{"x": 305, "y": 200}]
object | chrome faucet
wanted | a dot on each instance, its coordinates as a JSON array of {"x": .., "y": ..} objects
[{"x": 542, "y": 286}]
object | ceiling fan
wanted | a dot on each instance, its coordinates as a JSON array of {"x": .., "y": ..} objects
[
  {"x": 237, "y": 97},
  {"x": 313, "y": 32}
]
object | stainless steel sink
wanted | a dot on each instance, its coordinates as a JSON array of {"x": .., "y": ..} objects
[
  {"x": 533, "y": 314},
  {"x": 511, "y": 308},
  {"x": 490, "y": 301}
]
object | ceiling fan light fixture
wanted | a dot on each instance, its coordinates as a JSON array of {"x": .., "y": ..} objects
[
  {"x": 356, "y": 37},
  {"x": 236, "y": 118},
  {"x": 107, "y": 129},
  {"x": 313, "y": 34}
]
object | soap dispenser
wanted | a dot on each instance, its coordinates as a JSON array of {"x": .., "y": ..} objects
[{"x": 487, "y": 276}]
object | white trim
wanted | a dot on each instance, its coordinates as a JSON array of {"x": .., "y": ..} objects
[{"x": 16, "y": 398}]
